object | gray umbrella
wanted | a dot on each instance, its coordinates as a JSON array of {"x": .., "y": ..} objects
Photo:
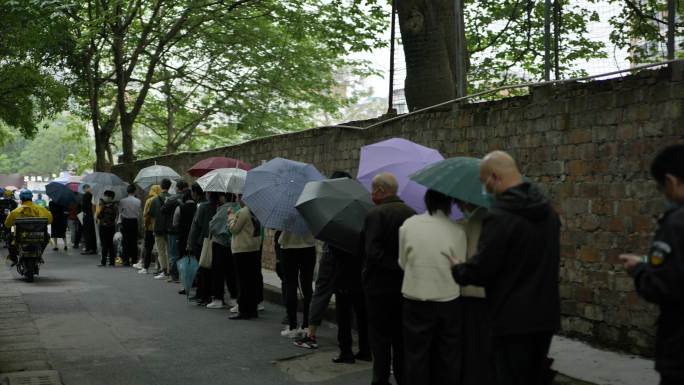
[
  {"x": 151, "y": 175},
  {"x": 335, "y": 211},
  {"x": 102, "y": 181}
]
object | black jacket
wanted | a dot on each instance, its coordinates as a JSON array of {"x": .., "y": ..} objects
[
  {"x": 187, "y": 212},
  {"x": 381, "y": 271},
  {"x": 661, "y": 281},
  {"x": 87, "y": 204},
  {"x": 518, "y": 262},
  {"x": 168, "y": 208},
  {"x": 347, "y": 277}
]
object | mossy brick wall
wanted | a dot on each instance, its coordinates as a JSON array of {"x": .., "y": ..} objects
[{"x": 588, "y": 145}]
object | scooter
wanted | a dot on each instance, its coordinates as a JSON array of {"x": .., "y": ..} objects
[{"x": 30, "y": 239}]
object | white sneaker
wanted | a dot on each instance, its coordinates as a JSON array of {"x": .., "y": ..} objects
[
  {"x": 160, "y": 276},
  {"x": 138, "y": 265},
  {"x": 261, "y": 307},
  {"x": 235, "y": 309},
  {"x": 292, "y": 333},
  {"x": 142, "y": 271},
  {"x": 215, "y": 304}
]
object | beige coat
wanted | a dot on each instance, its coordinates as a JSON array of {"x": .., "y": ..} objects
[
  {"x": 242, "y": 230},
  {"x": 425, "y": 242},
  {"x": 289, "y": 240},
  {"x": 473, "y": 228}
]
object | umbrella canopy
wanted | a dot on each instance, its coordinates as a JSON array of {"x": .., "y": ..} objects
[
  {"x": 272, "y": 189},
  {"x": 231, "y": 180},
  {"x": 187, "y": 269},
  {"x": 153, "y": 175},
  {"x": 103, "y": 181},
  {"x": 204, "y": 166},
  {"x": 73, "y": 186},
  {"x": 335, "y": 210},
  {"x": 60, "y": 194},
  {"x": 402, "y": 158},
  {"x": 456, "y": 177},
  {"x": 11, "y": 188}
]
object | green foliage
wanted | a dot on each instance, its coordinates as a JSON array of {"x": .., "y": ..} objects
[
  {"x": 63, "y": 144},
  {"x": 30, "y": 46},
  {"x": 506, "y": 41}
]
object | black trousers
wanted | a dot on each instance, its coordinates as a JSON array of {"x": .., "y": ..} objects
[
  {"x": 149, "y": 245},
  {"x": 521, "y": 359},
  {"x": 222, "y": 272},
  {"x": 477, "y": 357},
  {"x": 89, "y": 233},
  {"x": 386, "y": 336},
  {"x": 432, "y": 342},
  {"x": 280, "y": 271},
  {"x": 129, "y": 233},
  {"x": 348, "y": 302},
  {"x": 671, "y": 381},
  {"x": 107, "y": 243},
  {"x": 248, "y": 269},
  {"x": 298, "y": 266}
]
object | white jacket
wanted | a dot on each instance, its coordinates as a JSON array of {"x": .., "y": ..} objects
[
  {"x": 423, "y": 242},
  {"x": 290, "y": 240}
]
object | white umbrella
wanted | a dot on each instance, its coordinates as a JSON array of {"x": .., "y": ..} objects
[
  {"x": 228, "y": 180},
  {"x": 149, "y": 176}
]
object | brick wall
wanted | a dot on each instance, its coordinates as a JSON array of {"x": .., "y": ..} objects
[{"x": 587, "y": 144}]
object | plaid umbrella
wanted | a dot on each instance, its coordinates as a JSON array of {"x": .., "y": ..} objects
[{"x": 272, "y": 190}]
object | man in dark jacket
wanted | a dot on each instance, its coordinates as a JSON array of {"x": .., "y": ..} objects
[
  {"x": 659, "y": 276},
  {"x": 88, "y": 222},
  {"x": 517, "y": 262},
  {"x": 168, "y": 209},
  {"x": 382, "y": 278},
  {"x": 161, "y": 228},
  {"x": 183, "y": 220}
]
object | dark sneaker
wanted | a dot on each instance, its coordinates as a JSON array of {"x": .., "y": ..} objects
[
  {"x": 364, "y": 356},
  {"x": 344, "y": 360},
  {"x": 306, "y": 343}
]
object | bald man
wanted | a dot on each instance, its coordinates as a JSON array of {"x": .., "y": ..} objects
[
  {"x": 518, "y": 264},
  {"x": 382, "y": 278}
]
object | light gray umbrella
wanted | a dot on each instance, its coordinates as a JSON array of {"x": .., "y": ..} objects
[
  {"x": 228, "y": 180},
  {"x": 152, "y": 175},
  {"x": 103, "y": 181},
  {"x": 335, "y": 210}
]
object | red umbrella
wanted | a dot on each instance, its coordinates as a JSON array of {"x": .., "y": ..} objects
[
  {"x": 73, "y": 186},
  {"x": 204, "y": 166}
]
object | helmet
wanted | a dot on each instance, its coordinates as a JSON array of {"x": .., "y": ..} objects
[
  {"x": 7, "y": 194},
  {"x": 25, "y": 195}
]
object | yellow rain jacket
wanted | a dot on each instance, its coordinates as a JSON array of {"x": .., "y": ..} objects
[
  {"x": 148, "y": 220},
  {"x": 27, "y": 210}
]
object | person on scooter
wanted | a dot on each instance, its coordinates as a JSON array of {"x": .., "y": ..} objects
[
  {"x": 26, "y": 210},
  {"x": 7, "y": 204}
]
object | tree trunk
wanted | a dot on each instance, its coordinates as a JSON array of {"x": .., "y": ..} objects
[{"x": 428, "y": 34}]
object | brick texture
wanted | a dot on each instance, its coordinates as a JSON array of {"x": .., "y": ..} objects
[{"x": 587, "y": 144}]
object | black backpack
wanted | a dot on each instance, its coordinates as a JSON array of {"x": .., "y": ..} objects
[
  {"x": 108, "y": 214},
  {"x": 256, "y": 224}
]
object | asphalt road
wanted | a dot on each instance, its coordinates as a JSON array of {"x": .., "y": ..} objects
[{"x": 107, "y": 326}]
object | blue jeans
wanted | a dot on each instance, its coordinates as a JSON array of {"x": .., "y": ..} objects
[{"x": 172, "y": 249}]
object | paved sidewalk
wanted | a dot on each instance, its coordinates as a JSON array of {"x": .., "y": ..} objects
[{"x": 577, "y": 362}]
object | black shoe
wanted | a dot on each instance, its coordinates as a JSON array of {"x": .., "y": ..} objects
[
  {"x": 55, "y": 249},
  {"x": 364, "y": 356},
  {"x": 182, "y": 292},
  {"x": 344, "y": 360},
  {"x": 244, "y": 316},
  {"x": 66, "y": 248}
]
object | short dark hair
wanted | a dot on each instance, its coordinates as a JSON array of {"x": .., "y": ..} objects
[
  {"x": 165, "y": 184},
  {"x": 181, "y": 185},
  {"x": 435, "y": 200},
  {"x": 340, "y": 174},
  {"x": 130, "y": 189},
  {"x": 197, "y": 189},
  {"x": 86, "y": 186},
  {"x": 668, "y": 161},
  {"x": 109, "y": 193}
]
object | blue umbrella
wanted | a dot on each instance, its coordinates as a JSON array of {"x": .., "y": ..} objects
[
  {"x": 187, "y": 269},
  {"x": 272, "y": 190},
  {"x": 60, "y": 194}
]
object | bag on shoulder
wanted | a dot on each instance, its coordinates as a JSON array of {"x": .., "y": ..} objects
[
  {"x": 206, "y": 257},
  {"x": 108, "y": 215}
]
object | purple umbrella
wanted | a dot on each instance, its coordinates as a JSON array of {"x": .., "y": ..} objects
[{"x": 402, "y": 158}]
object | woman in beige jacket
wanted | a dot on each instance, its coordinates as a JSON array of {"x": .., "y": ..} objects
[
  {"x": 431, "y": 313},
  {"x": 246, "y": 248}
]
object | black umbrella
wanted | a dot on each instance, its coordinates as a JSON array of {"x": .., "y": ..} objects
[
  {"x": 335, "y": 211},
  {"x": 60, "y": 194}
]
